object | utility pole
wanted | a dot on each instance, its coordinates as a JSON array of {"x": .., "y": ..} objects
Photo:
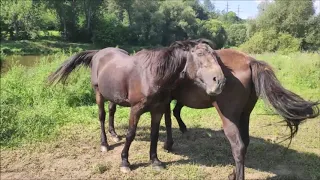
[{"x": 227, "y": 6}]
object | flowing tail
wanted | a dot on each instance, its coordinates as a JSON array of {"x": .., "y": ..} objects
[
  {"x": 62, "y": 73},
  {"x": 289, "y": 105}
]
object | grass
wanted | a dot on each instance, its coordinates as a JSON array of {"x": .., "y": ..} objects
[{"x": 51, "y": 132}]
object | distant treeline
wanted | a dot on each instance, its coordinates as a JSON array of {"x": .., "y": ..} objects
[{"x": 281, "y": 25}]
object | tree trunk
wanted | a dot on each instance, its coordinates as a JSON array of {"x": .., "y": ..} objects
[
  {"x": 15, "y": 26},
  {"x": 129, "y": 16},
  {"x": 64, "y": 29}
]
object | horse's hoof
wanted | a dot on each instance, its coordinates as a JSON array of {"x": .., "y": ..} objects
[
  {"x": 183, "y": 130},
  {"x": 125, "y": 169},
  {"x": 115, "y": 138},
  {"x": 104, "y": 148},
  {"x": 168, "y": 146},
  {"x": 187, "y": 134}
]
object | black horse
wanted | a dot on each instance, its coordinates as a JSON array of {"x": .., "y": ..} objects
[{"x": 144, "y": 82}]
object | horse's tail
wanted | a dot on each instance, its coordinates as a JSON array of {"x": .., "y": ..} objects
[
  {"x": 289, "y": 105},
  {"x": 62, "y": 73}
]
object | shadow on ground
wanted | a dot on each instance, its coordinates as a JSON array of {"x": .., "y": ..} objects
[{"x": 206, "y": 147}]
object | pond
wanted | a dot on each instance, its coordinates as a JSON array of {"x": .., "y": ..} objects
[{"x": 25, "y": 60}]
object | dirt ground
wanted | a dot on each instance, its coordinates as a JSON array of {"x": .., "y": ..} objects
[{"x": 202, "y": 153}]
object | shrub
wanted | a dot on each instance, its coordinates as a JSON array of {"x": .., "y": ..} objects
[
  {"x": 288, "y": 43},
  {"x": 271, "y": 41},
  {"x": 263, "y": 41}
]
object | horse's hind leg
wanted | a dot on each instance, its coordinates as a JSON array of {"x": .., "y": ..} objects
[
  {"x": 102, "y": 116},
  {"x": 245, "y": 116},
  {"x": 176, "y": 113},
  {"x": 112, "y": 109}
]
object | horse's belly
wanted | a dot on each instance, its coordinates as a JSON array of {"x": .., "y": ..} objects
[
  {"x": 193, "y": 97},
  {"x": 113, "y": 86}
]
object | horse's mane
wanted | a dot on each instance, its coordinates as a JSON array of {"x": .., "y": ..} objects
[
  {"x": 191, "y": 43},
  {"x": 166, "y": 63}
]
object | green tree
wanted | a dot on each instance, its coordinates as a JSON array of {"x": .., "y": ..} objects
[
  {"x": 179, "y": 21},
  {"x": 229, "y": 18},
  {"x": 286, "y": 16},
  {"x": 237, "y": 34},
  {"x": 109, "y": 30},
  {"x": 312, "y": 39},
  {"x": 20, "y": 18},
  {"x": 146, "y": 20},
  {"x": 201, "y": 12},
  {"x": 208, "y": 5},
  {"x": 213, "y": 29}
]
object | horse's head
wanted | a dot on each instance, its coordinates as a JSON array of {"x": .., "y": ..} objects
[{"x": 205, "y": 69}]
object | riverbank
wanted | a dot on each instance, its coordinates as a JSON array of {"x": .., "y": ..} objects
[{"x": 40, "y": 47}]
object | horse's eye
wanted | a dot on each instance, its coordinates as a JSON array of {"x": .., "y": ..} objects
[{"x": 200, "y": 54}]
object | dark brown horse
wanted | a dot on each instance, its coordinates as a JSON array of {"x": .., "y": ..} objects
[
  {"x": 144, "y": 82},
  {"x": 247, "y": 79}
]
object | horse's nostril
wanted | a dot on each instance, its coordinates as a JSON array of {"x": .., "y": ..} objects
[{"x": 214, "y": 78}]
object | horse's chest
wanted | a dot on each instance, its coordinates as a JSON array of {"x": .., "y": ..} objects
[{"x": 159, "y": 99}]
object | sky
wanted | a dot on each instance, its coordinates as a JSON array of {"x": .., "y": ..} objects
[{"x": 247, "y": 8}]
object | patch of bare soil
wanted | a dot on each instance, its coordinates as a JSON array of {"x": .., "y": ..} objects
[{"x": 65, "y": 159}]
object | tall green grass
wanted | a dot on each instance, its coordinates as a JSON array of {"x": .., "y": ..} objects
[{"x": 32, "y": 111}]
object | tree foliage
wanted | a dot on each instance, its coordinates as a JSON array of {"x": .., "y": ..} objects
[
  {"x": 237, "y": 34},
  {"x": 159, "y": 22}
]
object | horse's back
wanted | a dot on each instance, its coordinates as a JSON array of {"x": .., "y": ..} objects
[
  {"x": 112, "y": 69},
  {"x": 102, "y": 58}
]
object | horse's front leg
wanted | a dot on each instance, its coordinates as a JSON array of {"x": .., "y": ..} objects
[
  {"x": 156, "y": 116},
  {"x": 135, "y": 113},
  {"x": 169, "y": 142},
  {"x": 112, "y": 109},
  {"x": 231, "y": 130}
]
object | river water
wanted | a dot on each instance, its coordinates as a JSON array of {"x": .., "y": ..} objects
[{"x": 26, "y": 60}]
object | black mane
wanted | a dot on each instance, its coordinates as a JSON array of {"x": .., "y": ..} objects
[{"x": 167, "y": 62}]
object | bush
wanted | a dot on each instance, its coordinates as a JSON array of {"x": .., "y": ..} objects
[
  {"x": 271, "y": 41},
  {"x": 288, "y": 44},
  {"x": 263, "y": 41}
]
